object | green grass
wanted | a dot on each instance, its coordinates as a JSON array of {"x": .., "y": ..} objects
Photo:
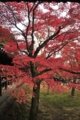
[
  {"x": 54, "y": 106},
  {"x": 60, "y": 106}
]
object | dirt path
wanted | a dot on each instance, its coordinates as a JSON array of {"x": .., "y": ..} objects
[{"x": 5, "y": 96}]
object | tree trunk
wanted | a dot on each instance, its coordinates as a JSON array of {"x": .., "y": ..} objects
[
  {"x": 35, "y": 103},
  {"x": 72, "y": 91},
  {"x": 73, "y": 88},
  {"x": 5, "y": 85},
  {"x": 48, "y": 90},
  {"x": 0, "y": 87}
]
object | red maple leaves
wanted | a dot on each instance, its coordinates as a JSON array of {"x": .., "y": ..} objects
[{"x": 45, "y": 33}]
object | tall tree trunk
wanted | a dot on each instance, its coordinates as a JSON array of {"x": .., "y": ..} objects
[
  {"x": 35, "y": 103},
  {"x": 73, "y": 88},
  {"x": 73, "y": 91}
]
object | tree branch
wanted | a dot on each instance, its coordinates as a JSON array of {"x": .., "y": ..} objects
[
  {"x": 32, "y": 34},
  {"x": 46, "y": 41},
  {"x": 43, "y": 71},
  {"x": 19, "y": 48},
  {"x": 70, "y": 71}
]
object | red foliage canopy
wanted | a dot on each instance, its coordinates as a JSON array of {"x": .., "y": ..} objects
[{"x": 48, "y": 27}]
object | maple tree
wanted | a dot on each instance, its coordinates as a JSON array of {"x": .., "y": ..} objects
[
  {"x": 71, "y": 58},
  {"x": 45, "y": 33}
]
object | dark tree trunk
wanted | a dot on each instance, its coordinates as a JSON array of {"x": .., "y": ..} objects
[
  {"x": 0, "y": 87},
  {"x": 73, "y": 88},
  {"x": 73, "y": 91},
  {"x": 48, "y": 90},
  {"x": 5, "y": 85},
  {"x": 35, "y": 103}
]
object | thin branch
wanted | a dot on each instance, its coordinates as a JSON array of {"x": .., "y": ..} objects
[
  {"x": 20, "y": 49},
  {"x": 27, "y": 28},
  {"x": 70, "y": 71},
  {"x": 44, "y": 71},
  {"x": 46, "y": 41},
  {"x": 61, "y": 47},
  {"x": 15, "y": 24},
  {"x": 62, "y": 44},
  {"x": 11, "y": 11}
]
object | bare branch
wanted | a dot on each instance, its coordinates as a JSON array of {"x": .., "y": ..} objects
[
  {"x": 27, "y": 28},
  {"x": 46, "y": 41},
  {"x": 20, "y": 49},
  {"x": 64, "y": 43},
  {"x": 70, "y": 71},
  {"x": 44, "y": 71},
  {"x": 31, "y": 47}
]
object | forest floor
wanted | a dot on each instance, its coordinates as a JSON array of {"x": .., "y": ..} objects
[{"x": 54, "y": 106}]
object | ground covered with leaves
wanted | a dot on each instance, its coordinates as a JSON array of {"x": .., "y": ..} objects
[{"x": 54, "y": 106}]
